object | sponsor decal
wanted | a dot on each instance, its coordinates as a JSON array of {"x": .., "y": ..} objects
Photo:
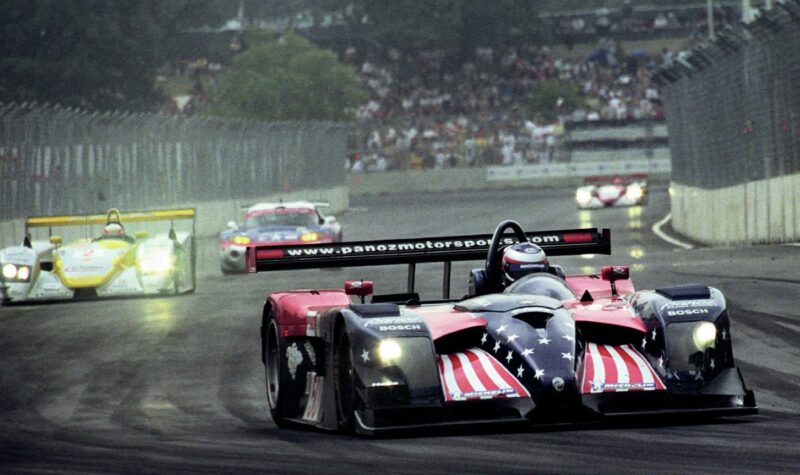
[
  {"x": 689, "y": 304},
  {"x": 83, "y": 268},
  {"x": 312, "y": 355},
  {"x": 421, "y": 246},
  {"x": 293, "y": 359},
  {"x": 395, "y": 324},
  {"x": 482, "y": 394},
  {"x": 687, "y": 311},
  {"x": 313, "y": 410},
  {"x": 558, "y": 384},
  {"x": 598, "y": 386},
  {"x": 383, "y": 384}
]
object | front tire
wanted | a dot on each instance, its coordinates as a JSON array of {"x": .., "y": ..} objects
[
  {"x": 345, "y": 382},
  {"x": 275, "y": 372}
]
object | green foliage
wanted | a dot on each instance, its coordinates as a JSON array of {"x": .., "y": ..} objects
[
  {"x": 98, "y": 54},
  {"x": 288, "y": 78},
  {"x": 545, "y": 96}
]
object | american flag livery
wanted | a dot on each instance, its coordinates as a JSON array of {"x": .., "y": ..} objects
[
  {"x": 609, "y": 368},
  {"x": 475, "y": 374}
]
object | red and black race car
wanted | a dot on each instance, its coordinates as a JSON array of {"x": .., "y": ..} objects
[{"x": 548, "y": 348}]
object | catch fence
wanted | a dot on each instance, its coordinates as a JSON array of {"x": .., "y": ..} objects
[
  {"x": 733, "y": 105},
  {"x": 56, "y": 160}
]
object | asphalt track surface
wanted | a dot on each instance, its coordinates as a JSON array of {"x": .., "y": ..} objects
[{"x": 176, "y": 385}]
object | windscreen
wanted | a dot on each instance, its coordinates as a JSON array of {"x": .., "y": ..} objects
[
  {"x": 546, "y": 285},
  {"x": 283, "y": 218}
]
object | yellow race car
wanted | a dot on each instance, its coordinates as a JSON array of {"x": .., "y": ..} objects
[{"x": 113, "y": 262}]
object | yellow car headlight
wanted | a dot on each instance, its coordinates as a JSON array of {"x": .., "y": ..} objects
[
  {"x": 157, "y": 263},
  {"x": 583, "y": 196},
  {"x": 389, "y": 350},
  {"x": 241, "y": 240},
  {"x": 308, "y": 237},
  {"x": 634, "y": 192},
  {"x": 9, "y": 271},
  {"x": 23, "y": 273},
  {"x": 704, "y": 336}
]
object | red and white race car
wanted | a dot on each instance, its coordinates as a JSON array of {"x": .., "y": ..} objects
[{"x": 617, "y": 190}]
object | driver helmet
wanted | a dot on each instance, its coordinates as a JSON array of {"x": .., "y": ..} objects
[
  {"x": 522, "y": 259},
  {"x": 113, "y": 229}
]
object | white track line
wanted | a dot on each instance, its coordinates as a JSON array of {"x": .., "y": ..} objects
[{"x": 657, "y": 230}]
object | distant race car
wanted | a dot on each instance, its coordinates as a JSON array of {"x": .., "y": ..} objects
[
  {"x": 607, "y": 191},
  {"x": 110, "y": 264},
  {"x": 271, "y": 224},
  {"x": 548, "y": 348}
]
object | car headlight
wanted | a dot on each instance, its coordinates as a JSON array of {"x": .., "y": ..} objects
[
  {"x": 308, "y": 237},
  {"x": 9, "y": 271},
  {"x": 16, "y": 273},
  {"x": 634, "y": 192},
  {"x": 389, "y": 351},
  {"x": 704, "y": 336},
  {"x": 583, "y": 196},
  {"x": 156, "y": 263},
  {"x": 241, "y": 240},
  {"x": 23, "y": 273}
]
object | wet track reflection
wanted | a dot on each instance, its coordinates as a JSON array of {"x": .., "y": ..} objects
[{"x": 176, "y": 384}]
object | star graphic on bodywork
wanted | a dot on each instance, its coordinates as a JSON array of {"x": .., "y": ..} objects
[
  {"x": 365, "y": 356},
  {"x": 661, "y": 362},
  {"x": 544, "y": 341},
  {"x": 509, "y": 355},
  {"x": 496, "y": 346},
  {"x": 724, "y": 334},
  {"x": 654, "y": 334},
  {"x": 501, "y": 329},
  {"x": 539, "y": 374},
  {"x": 520, "y": 370},
  {"x": 567, "y": 356},
  {"x": 483, "y": 338},
  {"x": 644, "y": 343},
  {"x": 527, "y": 351},
  {"x": 512, "y": 338},
  {"x": 568, "y": 338}
]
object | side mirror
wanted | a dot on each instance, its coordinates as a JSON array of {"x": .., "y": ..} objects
[
  {"x": 361, "y": 288},
  {"x": 232, "y": 225},
  {"x": 330, "y": 220},
  {"x": 56, "y": 240},
  {"x": 614, "y": 273},
  {"x": 141, "y": 235}
]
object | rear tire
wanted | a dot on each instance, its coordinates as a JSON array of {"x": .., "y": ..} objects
[
  {"x": 344, "y": 382},
  {"x": 274, "y": 348}
]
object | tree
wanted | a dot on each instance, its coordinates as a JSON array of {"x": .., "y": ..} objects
[
  {"x": 98, "y": 54},
  {"x": 286, "y": 78},
  {"x": 544, "y": 101}
]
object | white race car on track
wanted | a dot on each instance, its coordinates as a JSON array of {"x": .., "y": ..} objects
[
  {"x": 112, "y": 264},
  {"x": 608, "y": 191}
]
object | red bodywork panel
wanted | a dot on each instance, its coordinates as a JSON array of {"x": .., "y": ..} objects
[
  {"x": 292, "y": 308},
  {"x": 616, "y": 312},
  {"x": 445, "y": 320},
  {"x": 596, "y": 286}
]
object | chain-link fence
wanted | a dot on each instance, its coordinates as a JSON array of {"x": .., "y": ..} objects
[
  {"x": 733, "y": 106},
  {"x": 57, "y": 160}
]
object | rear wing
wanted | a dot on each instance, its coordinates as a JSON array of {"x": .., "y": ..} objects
[
  {"x": 446, "y": 249},
  {"x": 89, "y": 219}
]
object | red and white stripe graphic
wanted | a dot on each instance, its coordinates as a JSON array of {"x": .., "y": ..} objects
[
  {"x": 475, "y": 374},
  {"x": 608, "y": 368}
]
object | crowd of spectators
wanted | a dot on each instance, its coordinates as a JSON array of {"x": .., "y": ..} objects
[{"x": 432, "y": 110}]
